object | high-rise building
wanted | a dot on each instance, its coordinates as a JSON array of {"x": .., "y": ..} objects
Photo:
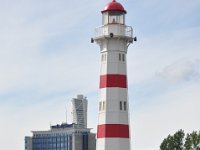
[
  {"x": 65, "y": 136},
  {"x": 79, "y": 111},
  {"x": 113, "y": 37}
]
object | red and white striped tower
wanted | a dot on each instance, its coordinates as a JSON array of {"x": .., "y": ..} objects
[{"x": 114, "y": 37}]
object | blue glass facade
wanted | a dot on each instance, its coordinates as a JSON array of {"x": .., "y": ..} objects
[
  {"x": 61, "y": 137},
  {"x": 85, "y": 142},
  {"x": 59, "y": 141},
  {"x": 52, "y": 142}
]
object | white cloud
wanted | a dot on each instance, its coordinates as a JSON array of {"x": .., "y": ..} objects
[
  {"x": 150, "y": 54},
  {"x": 183, "y": 70}
]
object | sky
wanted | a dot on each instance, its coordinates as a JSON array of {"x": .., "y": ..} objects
[{"x": 46, "y": 59}]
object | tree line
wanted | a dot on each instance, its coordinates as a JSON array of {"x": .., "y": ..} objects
[{"x": 181, "y": 141}]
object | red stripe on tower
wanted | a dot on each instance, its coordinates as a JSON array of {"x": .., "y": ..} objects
[
  {"x": 113, "y": 80},
  {"x": 113, "y": 131}
]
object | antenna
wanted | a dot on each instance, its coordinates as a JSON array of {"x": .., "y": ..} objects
[{"x": 66, "y": 113}]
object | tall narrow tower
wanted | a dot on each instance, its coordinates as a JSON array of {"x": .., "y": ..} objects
[
  {"x": 113, "y": 37},
  {"x": 79, "y": 111}
]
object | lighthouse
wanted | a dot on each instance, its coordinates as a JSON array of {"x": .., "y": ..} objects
[{"x": 114, "y": 38}]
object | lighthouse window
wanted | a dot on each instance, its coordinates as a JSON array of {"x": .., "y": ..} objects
[
  {"x": 99, "y": 106},
  {"x": 112, "y": 19},
  {"x": 103, "y": 57},
  {"x": 125, "y": 106},
  {"x": 105, "y": 18},
  {"x": 115, "y": 17},
  {"x": 123, "y": 57},
  {"x": 120, "y": 105},
  {"x": 103, "y": 106},
  {"x": 121, "y": 19},
  {"x": 119, "y": 56}
]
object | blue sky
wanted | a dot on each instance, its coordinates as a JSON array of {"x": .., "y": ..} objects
[{"x": 46, "y": 59}]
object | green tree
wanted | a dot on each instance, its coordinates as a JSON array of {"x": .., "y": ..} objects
[
  {"x": 174, "y": 142},
  {"x": 178, "y": 141},
  {"x": 192, "y": 141}
]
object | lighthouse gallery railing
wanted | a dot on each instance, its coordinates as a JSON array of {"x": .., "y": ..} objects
[{"x": 116, "y": 29}]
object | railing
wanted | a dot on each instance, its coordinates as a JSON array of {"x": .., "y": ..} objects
[{"x": 116, "y": 29}]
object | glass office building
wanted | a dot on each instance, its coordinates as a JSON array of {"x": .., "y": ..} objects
[{"x": 62, "y": 137}]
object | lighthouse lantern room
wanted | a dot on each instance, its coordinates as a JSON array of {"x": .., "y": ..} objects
[
  {"x": 113, "y": 37},
  {"x": 113, "y": 13}
]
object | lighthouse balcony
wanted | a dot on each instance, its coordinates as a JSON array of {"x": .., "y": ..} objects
[{"x": 113, "y": 30}]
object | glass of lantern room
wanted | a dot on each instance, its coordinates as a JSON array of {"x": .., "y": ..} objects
[{"x": 113, "y": 17}]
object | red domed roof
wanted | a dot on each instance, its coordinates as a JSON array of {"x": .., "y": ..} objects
[{"x": 113, "y": 6}]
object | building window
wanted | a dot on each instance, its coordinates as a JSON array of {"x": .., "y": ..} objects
[
  {"x": 123, "y": 57},
  {"x": 99, "y": 106},
  {"x": 103, "y": 105},
  {"x": 102, "y": 57},
  {"x": 125, "y": 106},
  {"x": 120, "y": 105},
  {"x": 119, "y": 56}
]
